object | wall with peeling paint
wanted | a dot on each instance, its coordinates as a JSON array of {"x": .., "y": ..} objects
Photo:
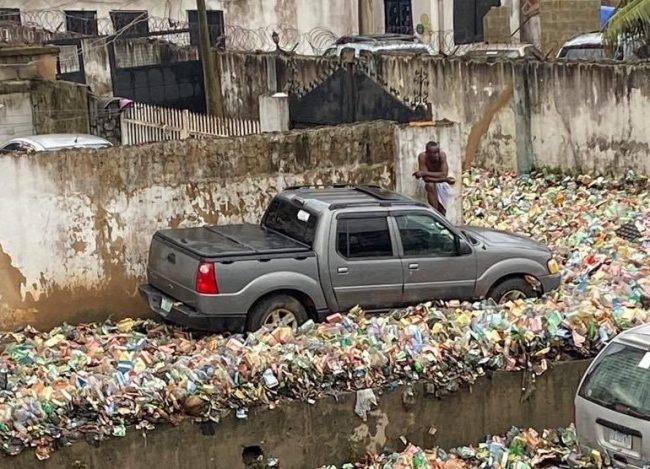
[
  {"x": 77, "y": 224},
  {"x": 579, "y": 116},
  {"x": 590, "y": 117}
]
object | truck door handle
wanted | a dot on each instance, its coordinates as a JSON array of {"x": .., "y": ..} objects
[
  {"x": 171, "y": 257},
  {"x": 414, "y": 266},
  {"x": 342, "y": 270}
]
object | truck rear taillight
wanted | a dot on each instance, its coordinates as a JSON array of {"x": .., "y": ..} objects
[{"x": 206, "y": 279}]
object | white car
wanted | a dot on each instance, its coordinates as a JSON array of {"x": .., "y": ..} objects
[
  {"x": 50, "y": 142},
  {"x": 591, "y": 46},
  {"x": 379, "y": 44},
  {"x": 612, "y": 406},
  {"x": 502, "y": 51}
]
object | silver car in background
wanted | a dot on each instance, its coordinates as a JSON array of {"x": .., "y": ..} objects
[
  {"x": 51, "y": 142},
  {"x": 613, "y": 401}
]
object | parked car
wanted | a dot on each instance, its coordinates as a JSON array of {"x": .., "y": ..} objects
[
  {"x": 584, "y": 47},
  {"x": 613, "y": 401},
  {"x": 591, "y": 46},
  {"x": 49, "y": 142},
  {"x": 326, "y": 249},
  {"x": 379, "y": 44},
  {"x": 504, "y": 51}
]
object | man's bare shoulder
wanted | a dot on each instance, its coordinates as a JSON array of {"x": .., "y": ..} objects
[
  {"x": 422, "y": 155},
  {"x": 443, "y": 155}
]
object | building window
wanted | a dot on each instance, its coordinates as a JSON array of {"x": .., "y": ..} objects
[
  {"x": 10, "y": 15},
  {"x": 399, "y": 16},
  {"x": 130, "y": 22},
  {"x": 215, "y": 26},
  {"x": 82, "y": 22}
]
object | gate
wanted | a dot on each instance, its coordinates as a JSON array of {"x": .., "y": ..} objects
[
  {"x": 348, "y": 95},
  {"x": 171, "y": 77}
]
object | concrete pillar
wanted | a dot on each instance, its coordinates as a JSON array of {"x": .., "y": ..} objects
[
  {"x": 523, "y": 138},
  {"x": 274, "y": 112},
  {"x": 410, "y": 141},
  {"x": 371, "y": 16}
]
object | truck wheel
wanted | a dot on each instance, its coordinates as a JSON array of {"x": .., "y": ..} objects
[
  {"x": 512, "y": 289},
  {"x": 277, "y": 310}
]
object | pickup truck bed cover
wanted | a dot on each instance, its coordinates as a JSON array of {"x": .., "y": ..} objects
[{"x": 232, "y": 240}]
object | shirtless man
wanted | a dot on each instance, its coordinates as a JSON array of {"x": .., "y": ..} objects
[{"x": 433, "y": 173}]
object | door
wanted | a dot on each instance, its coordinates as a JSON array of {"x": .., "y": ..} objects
[
  {"x": 431, "y": 265},
  {"x": 365, "y": 269}
]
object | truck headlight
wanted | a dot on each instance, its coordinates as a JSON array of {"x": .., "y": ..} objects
[{"x": 553, "y": 266}]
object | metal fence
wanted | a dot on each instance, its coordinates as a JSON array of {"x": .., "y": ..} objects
[{"x": 144, "y": 124}]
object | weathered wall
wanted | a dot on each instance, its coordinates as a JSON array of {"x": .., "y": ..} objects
[
  {"x": 42, "y": 106},
  {"x": 329, "y": 432},
  {"x": 97, "y": 67},
  {"x": 410, "y": 141},
  {"x": 59, "y": 107},
  {"x": 590, "y": 117},
  {"x": 77, "y": 224},
  {"x": 150, "y": 51},
  {"x": 559, "y": 20},
  {"x": 27, "y": 63},
  {"x": 15, "y": 110},
  {"x": 496, "y": 25},
  {"x": 583, "y": 116}
]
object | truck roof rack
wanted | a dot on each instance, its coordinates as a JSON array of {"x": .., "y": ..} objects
[
  {"x": 382, "y": 197},
  {"x": 381, "y": 203}
]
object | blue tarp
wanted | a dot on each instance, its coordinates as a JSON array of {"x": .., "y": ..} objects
[{"x": 605, "y": 14}]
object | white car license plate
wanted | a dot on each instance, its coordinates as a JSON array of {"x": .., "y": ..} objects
[
  {"x": 166, "y": 304},
  {"x": 622, "y": 440}
]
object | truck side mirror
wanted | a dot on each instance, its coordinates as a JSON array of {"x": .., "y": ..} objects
[{"x": 462, "y": 247}]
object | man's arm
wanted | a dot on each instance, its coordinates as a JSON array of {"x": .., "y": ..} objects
[{"x": 431, "y": 176}]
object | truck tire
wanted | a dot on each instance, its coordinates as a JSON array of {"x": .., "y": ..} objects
[
  {"x": 512, "y": 289},
  {"x": 276, "y": 310}
]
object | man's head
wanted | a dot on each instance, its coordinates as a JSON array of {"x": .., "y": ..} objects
[{"x": 432, "y": 148}]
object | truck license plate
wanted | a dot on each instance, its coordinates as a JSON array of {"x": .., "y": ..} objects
[
  {"x": 622, "y": 440},
  {"x": 166, "y": 304}
]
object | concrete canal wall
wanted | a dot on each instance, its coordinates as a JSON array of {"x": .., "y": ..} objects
[{"x": 304, "y": 436}]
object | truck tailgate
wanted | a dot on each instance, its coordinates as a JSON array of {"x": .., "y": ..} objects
[{"x": 175, "y": 255}]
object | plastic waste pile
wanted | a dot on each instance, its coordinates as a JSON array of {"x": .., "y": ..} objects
[
  {"x": 94, "y": 381},
  {"x": 598, "y": 228},
  {"x": 518, "y": 449}
]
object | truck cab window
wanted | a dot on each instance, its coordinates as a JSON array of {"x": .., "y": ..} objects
[
  {"x": 284, "y": 217},
  {"x": 363, "y": 238},
  {"x": 423, "y": 235}
]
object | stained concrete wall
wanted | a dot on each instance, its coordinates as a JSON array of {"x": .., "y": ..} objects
[
  {"x": 42, "y": 106},
  {"x": 410, "y": 141},
  {"x": 329, "y": 432},
  {"x": 15, "y": 111},
  {"x": 557, "y": 107},
  {"x": 562, "y": 19},
  {"x": 77, "y": 224},
  {"x": 97, "y": 67}
]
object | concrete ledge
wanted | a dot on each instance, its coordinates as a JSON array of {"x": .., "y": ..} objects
[{"x": 307, "y": 436}]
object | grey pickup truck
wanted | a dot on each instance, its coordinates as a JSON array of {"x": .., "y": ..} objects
[{"x": 320, "y": 250}]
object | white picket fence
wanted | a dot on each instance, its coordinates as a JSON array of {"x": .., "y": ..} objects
[{"x": 144, "y": 123}]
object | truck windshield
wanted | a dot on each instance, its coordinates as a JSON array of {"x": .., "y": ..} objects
[
  {"x": 292, "y": 221},
  {"x": 620, "y": 380}
]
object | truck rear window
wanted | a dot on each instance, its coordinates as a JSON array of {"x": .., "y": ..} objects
[
  {"x": 290, "y": 220},
  {"x": 620, "y": 380}
]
